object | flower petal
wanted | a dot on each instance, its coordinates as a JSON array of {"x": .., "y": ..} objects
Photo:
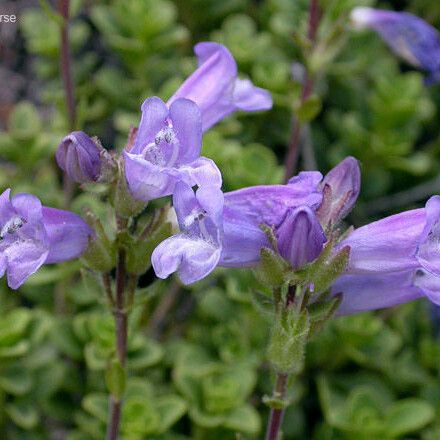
[
  {"x": 27, "y": 206},
  {"x": 250, "y": 98},
  {"x": 193, "y": 259},
  {"x": 154, "y": 115},
  {"x": 24, "y": 259},
  {"x": 215, "y": 74},
  {"x": 428, "y": 252},
  {"x": 361, "y": 293},
  {"x": 68, "y": 234},
  {"x": 147, "y": 181},
  {"x": 187, "y": 124},
  {"x": 201, "y": 172},
  {"x": 387, "y": 245},
  {"x": 6, "y": 209}
]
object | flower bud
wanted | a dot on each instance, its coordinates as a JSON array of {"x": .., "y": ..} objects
[
  {"x": 300, "y": 237},
  {"x": 340, "y": 188},
  {"x": 79, "y": 157}
]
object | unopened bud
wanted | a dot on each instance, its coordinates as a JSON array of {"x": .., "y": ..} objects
[
  {"x": 300, "y": 237},
  {"x": 79, "y": 157}
]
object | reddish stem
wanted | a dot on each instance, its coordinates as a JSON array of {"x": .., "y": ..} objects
[
  {"x": 276, "y": 415},
  {"x": 295, "y": 139}
]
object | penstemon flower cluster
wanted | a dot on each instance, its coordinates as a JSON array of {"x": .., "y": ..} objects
[{"x": 291, "y": 235}]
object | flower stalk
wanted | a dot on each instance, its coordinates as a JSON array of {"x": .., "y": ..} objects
[
  {"x": 120, "y": 316},
  {"x": 307, "y": 88},
  {"x": 276, "y": 413}
]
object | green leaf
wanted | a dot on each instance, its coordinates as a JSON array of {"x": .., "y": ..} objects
[
  {"x": 96, "y": 404},
  {"x": 115, "y": 378},
  {"x": 16, "y": 380},
  {"x": 149, "y": 354},
  {"x": 408, "y": 415},
  {"x": 16, "y": 350},
  {"x": 13, "y": 326},
  {"x": 139, "y": 417},
  {"x": 245, "y": 419},
  {"x": 170, "y": 409},
  {"x": 23, "y": 414},
  {"x": 309, "y": 109},
  {"x": 24, "y": 123}
]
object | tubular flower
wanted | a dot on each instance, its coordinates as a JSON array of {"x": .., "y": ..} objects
[
  {"x": 216, "y": 89},
  {"x": 32, "y": 235},
  {"x": 167, "y": 150},
  {"x": 392, "y": 261},
  {"x": 410, "y": 37},
  {"x": 401, "y": 242},
  {"x": 224, "y": 230},
  {"x": 361, "y": 293},
  {"x": 195, "y": 251},
  {"x": 248, "y": 208}
]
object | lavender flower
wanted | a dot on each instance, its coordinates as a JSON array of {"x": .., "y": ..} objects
[
  {"x": 79, "y": 157},
  {"x": 300, "y": 237},
  {"x": 195, "y": 251},
  {"x": 392, "y": 261},
  {"x": 225, "y": 230},
  {"x": 401, "y": 242},
  {"x": 248, "y": 208},
  {"x": 215, "y": 88},
  {"x": 408, "y": 36},
  {"x": 167, "y": 150},
  {"x": 361, "y": 293},
  {"x": 32, "y": 235}
]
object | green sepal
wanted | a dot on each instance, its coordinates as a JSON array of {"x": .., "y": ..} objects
[
  {"x": 272, "y": 269},
  {"x": 139, "y": 252},
  {"x": 320, "y": 312},
  {"x": 288, "y": 341},
  {"x": 332, "y": 269},
  {"x": 124, "y": 203},
  {"x": 115, "y": 379},
  {"x": 100, "y": 254}
]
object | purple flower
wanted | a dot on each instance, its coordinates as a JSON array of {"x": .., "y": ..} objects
[
  {"x": 408, "y": 36},
  {"x": 79, "y": 157},
  {"x": 215, "y": 88},
  {"x": 300, "y": 237},
  {"x": 248, "y": 208},
  {"x": 224, "y": 230},
  {"x": 361, "y": 293},
  {"x": 195, "y": 251},
  {"x": 392, "y": 261},
  {"x": 401, "y": 242},
  {"x": 167, "y": 150},
  {"x": 32, "y": 235},
  {"x": 340, "y": 188}
]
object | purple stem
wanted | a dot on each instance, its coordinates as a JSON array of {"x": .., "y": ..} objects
[
  {"x": 294, "y": 143},
  {"x": 66, "y": 75},
  {"x": 276, "y": 415}
]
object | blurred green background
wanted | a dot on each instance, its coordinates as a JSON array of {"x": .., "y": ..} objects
[{"x": 196, "y": 355}]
